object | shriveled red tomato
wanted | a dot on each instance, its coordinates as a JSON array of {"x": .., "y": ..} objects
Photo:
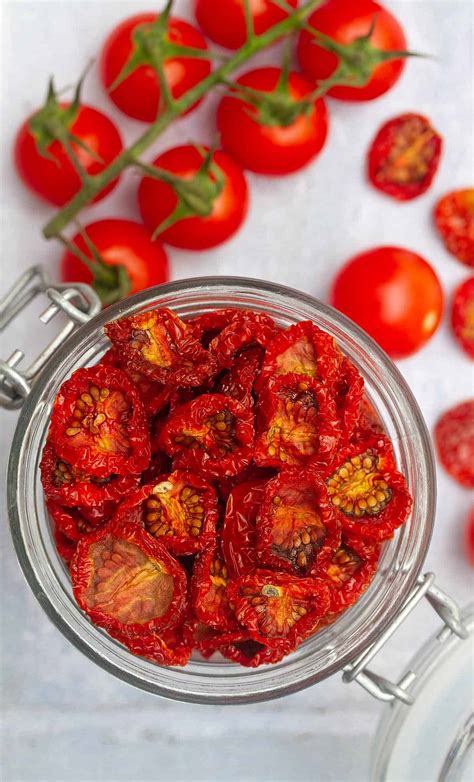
[
  {"x": 155, "y": 396},
  {"x": 278, "y": 606},
  {"x": 246, "y": 329},
  {"x": 210, "y": 324},
  {"x": 168, "y": 647},
  {"x": 161, "y": 346},
  {"x": 223, "y": 21},
  {"x": 371, "y": 498},
  {"x": 239, "y": 533},
  {"x": 238, "y": 381},
  {"x": 454, "y": 437},
  {"x": 127, "y": 70},
  {"x": 179, "y": 509},
  {"x": 75, "y": 523},
  {"x": 404, "y": 157},
  {"x": 202, "y": 205},
  {"x": 247, "y": 648},
  {"x": 469, "y": 538},
  {"x": 302, "y": 349},
  {"x": 454, "y": 218},
  {"x": 43, "y": 164},
  {"x": 66, "y": 485},
  {"x": 126, "y": 581},
  {"x": 270, "y": 130},
  {"x": 392, "y": 293},
  {"x": 212, "y": 435},
  {"x": 99, "y": 424},
  {"x": 297, "y": 423},
  {"x": 209, "y": 590},
  {"x": 64, "y": 546},
  {"x": 349, "y": 395},
  {"x": 349, "y": 571},
  {"x": 346, "y": 22},
  {"x": 136, "y": 261},
  {"x": 369, "y": 422},
  {"x": 462, "y": 316},
  {"x": 297, "y": 527}
]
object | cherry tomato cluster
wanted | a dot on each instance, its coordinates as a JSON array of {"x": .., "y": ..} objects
[{"x": 218, "y": 485}]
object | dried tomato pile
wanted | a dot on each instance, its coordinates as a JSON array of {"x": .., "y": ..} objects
[{"x": 218, "y": 485}]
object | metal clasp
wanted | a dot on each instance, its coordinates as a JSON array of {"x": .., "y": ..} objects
[
  {"x": 381, "y": 688},
  {"x": 78, "y": 302}
]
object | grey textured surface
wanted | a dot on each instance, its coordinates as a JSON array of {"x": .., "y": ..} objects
[{"x": 63, "y": 718}]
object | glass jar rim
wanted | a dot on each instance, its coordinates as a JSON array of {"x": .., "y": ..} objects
[{"x": 209, "y": 682}]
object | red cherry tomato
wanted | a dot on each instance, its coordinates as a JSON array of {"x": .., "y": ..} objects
[
  {"x": 158, "y": 200},
  {"x": 392, "y": 293},
  {"x": 138, "y": 95},
  {"x": 119, "y": 243},
  {"x": 53, "y": 177},
  {"x": 462, "y": 316},
  {"x": 223, "y": 21},
  {"x": 469, "y": 538},
  {"x": 344, "y": 21},
  {"x": 275, "y": 148}
]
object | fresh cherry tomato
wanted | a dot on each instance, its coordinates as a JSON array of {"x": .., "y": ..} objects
[
  {"x": 122, "y": 244},
  {"x": 345, "y": 21},
  {"x": 454, "y": 438},
  {"x": 216, "y": 206},
  {"x": 469, "y": 537},
  {"x": 392, "y": 293},
  {"x": 462, "y": 316},
  {"x": 223, "y": 21},
  {"x": 51, "y": 174},
  {"x": 127, "y": 581},
  {"x": 454, "y": 218},
  {"x": 276, "y": 138},
  {"x": 138, "y": 95},
  {"x": 404, "y": 157}
]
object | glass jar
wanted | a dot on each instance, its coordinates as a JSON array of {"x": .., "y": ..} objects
[{"x": 333, "y": 648}]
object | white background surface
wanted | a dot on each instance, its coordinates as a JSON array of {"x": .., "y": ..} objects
[{"x": 63, "y": 718}]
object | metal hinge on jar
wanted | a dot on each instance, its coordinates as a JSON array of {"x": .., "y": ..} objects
[
  {"x": 78, "y": 302},
  {"x": 383, "y": 689}
]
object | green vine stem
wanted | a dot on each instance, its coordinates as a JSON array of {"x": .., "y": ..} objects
[{"x": 94, "y": 184}]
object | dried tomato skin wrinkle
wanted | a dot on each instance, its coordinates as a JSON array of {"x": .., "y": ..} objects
[
  {"x": 238, "y": 381},
  {"x": 166, "y": 509},
  {"x": 130, "y": 544},
  {"x": 349, "y": 393},
  {"x": 125, "y": 441},
  {"x": 164, "y": 648},
  {"x": 155, "y": 396},
  {"x": 297, "y": 423},
  {"x": 74, "y": 523},
  {"x": 357, "y": 561},
  {"x": 216, "y": 452},
  {"x": 305, "y": 601},
  {"x": 161, "y": 346},
  {"x": 246, "y": 329},
  {"x": 209, "y": 590},
  {"x": 297, "y": 527},
  {"x": 402, "y": 182},
  {"x": 303, "y": 349},
  {"x": 462, "y": 316},
  {"x": 454, "y": 438},
  {"x": 239, "y": 533},
  {"x": 208, "y": 325},
  {"x": 67, "y": 486},
  {"x": 369, "y": 495}
]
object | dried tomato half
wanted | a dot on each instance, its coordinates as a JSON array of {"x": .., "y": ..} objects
[
  {"x": 209, "y": 594},
  {"x": 127, "y": 582},
  {"x": 66, "y": 485},
  {"x": 404, "y": 156},
  {"x": 246, "y": 648},
  {"x": 155, "y": 396},
  {"x": 297, "y": 526},
  {"x": 349, "y": 572},
  {"x": 454, "y": 218},
  {"x": 246, "y": 329},
  {"x": 239, "y": 380},
  {"x": 75, "y": 523},
  {"x": 166, "y": 648},
  {"x": 161, "y": 346},
  {"x": 349, "y": 392},
  {"x": 454, "y": 437},
  {"x": 369, "y": 422},
  {"x": 179, "y": 509},
  {"x": 302, "y": 349},
  {"x": 239, "y": 533},
  {"x": 64, "y": 546},
  {"x": 211, "y": 435},
  {"x": 462, "y": 316},
  {"x": 279, "y": 606},
  {"x": 208, "y": 325},
  {"x": 99, "y": 424},
  {"x": 370, "y": 496},
  {"x": 297, "y": 423}
]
